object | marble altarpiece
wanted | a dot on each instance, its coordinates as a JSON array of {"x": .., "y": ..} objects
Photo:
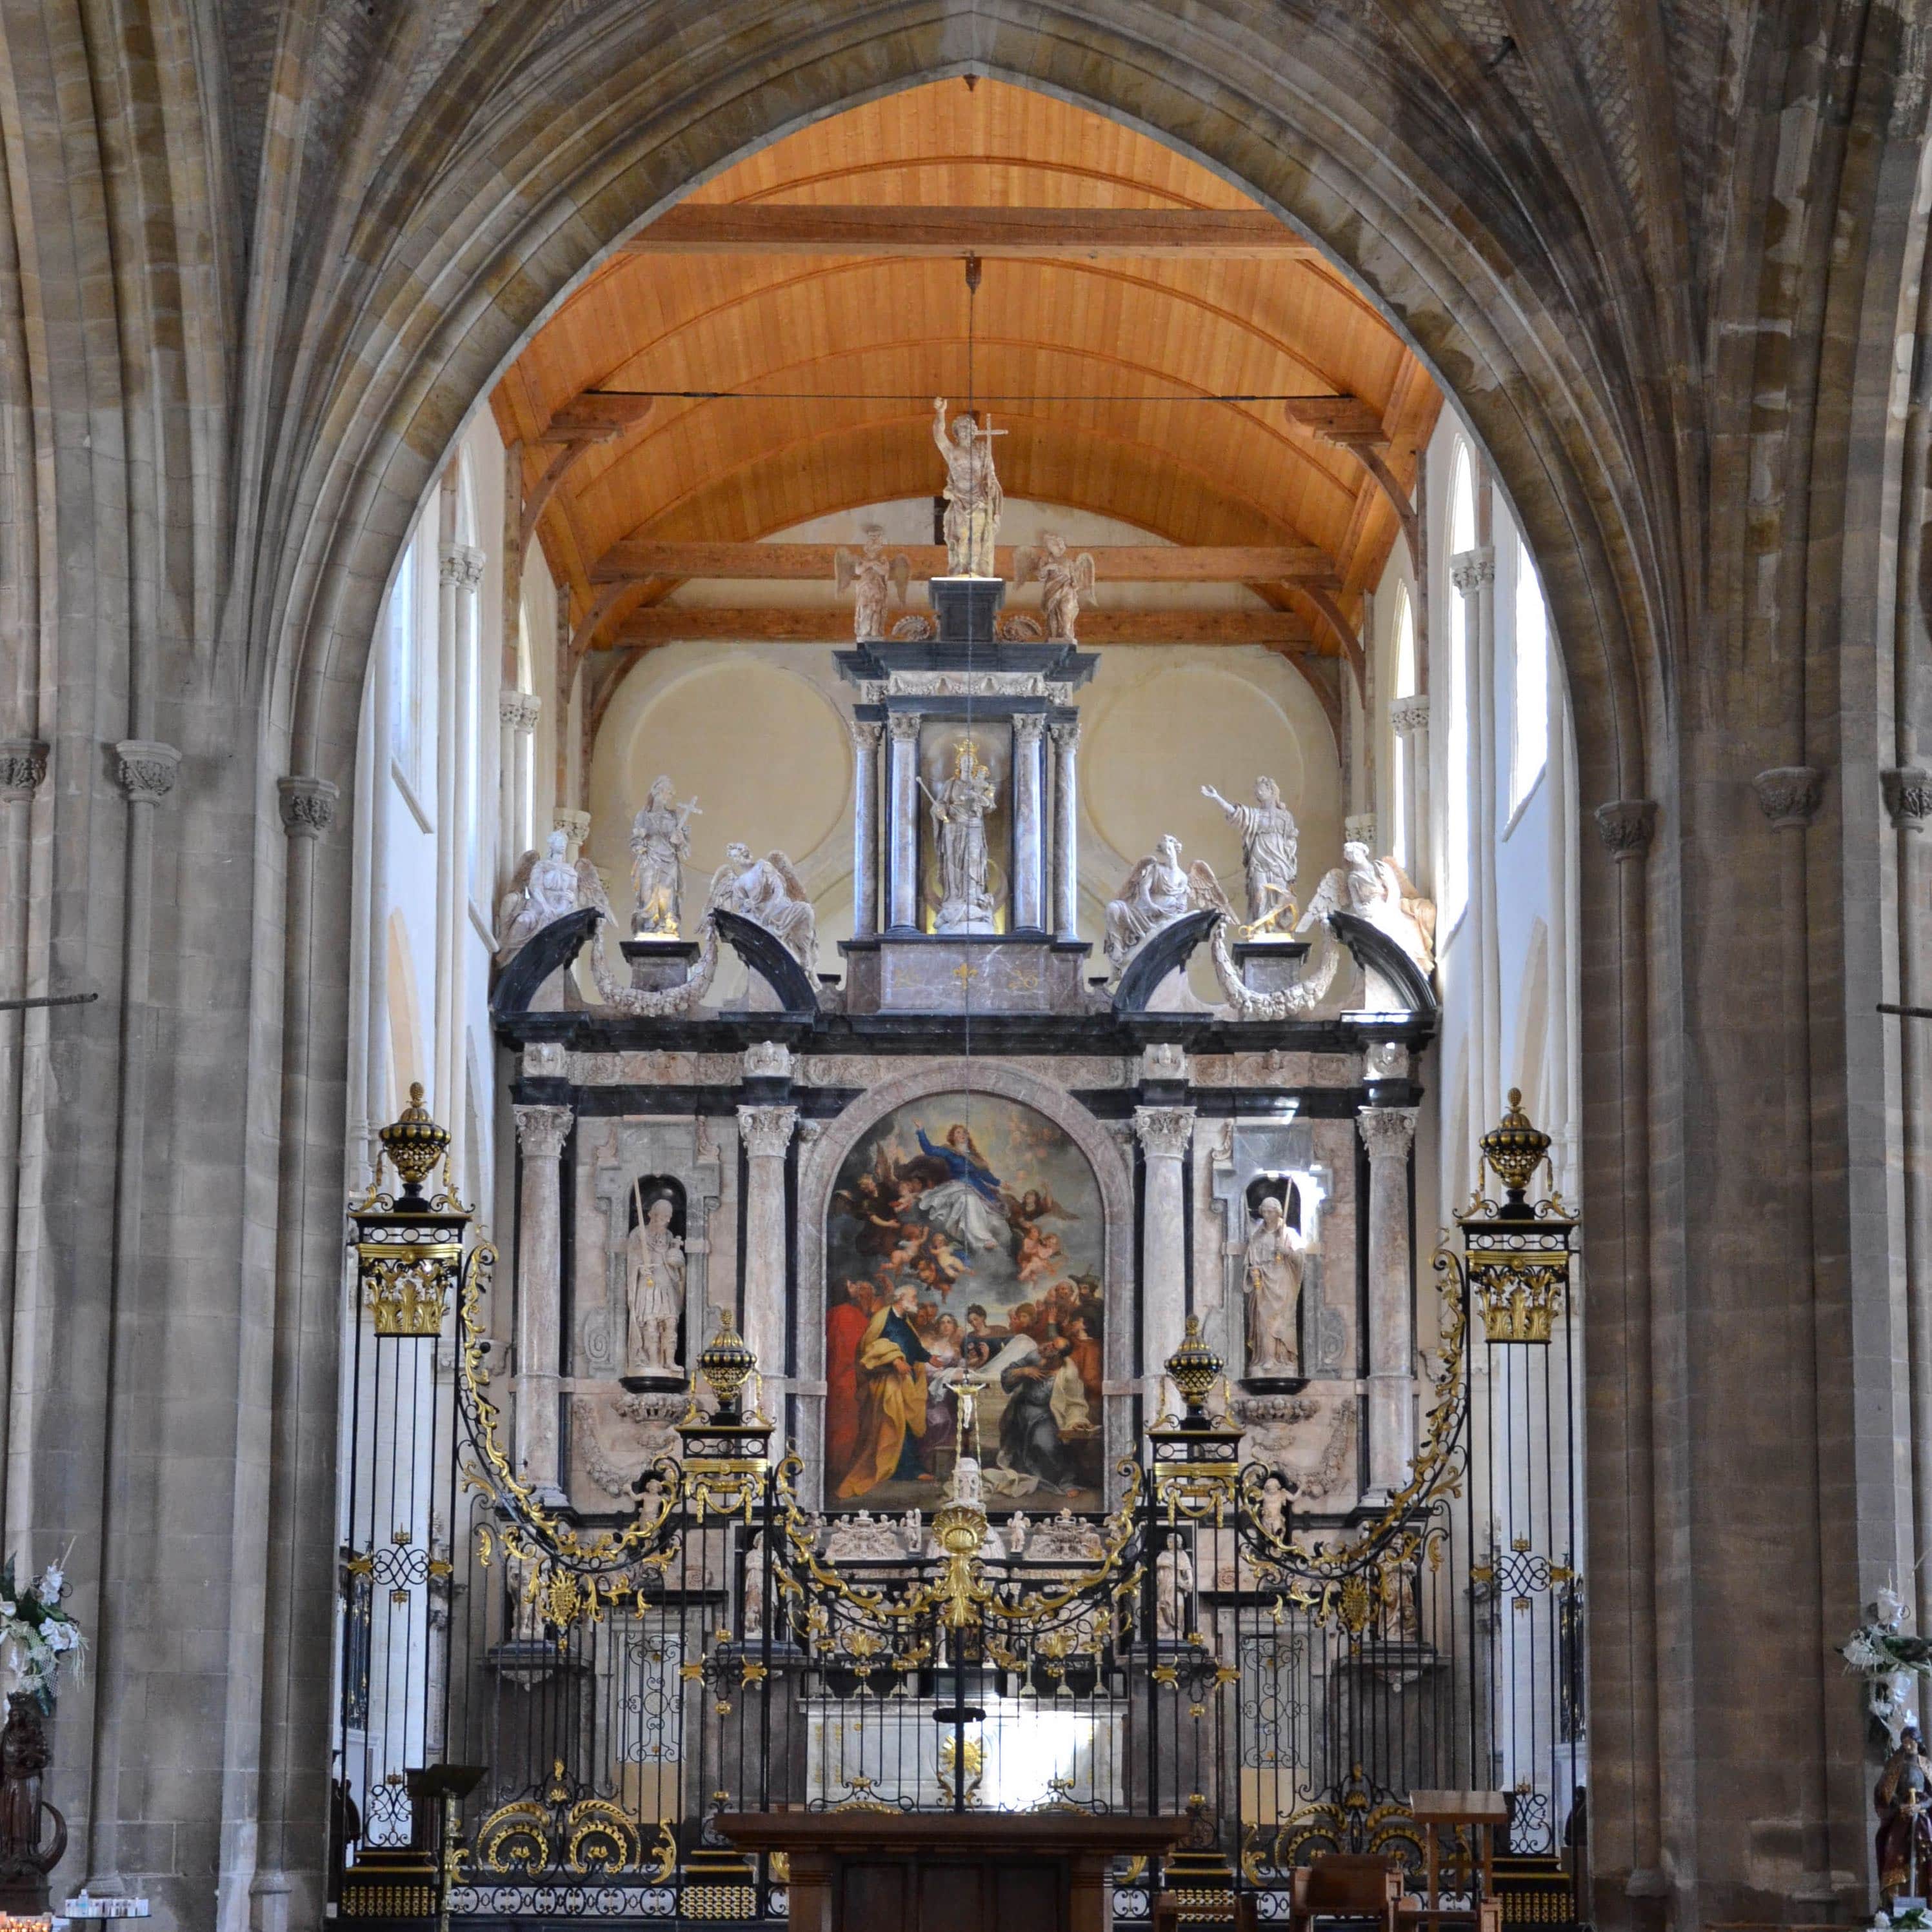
[{"x": 1115, "y": 1140}]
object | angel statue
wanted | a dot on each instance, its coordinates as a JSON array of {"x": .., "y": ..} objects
[
  {"x": 544, "y": 890},
  {"x": 1064, "y": 580},
  {"x": 1159, "y": 891},
  {"x": 1380, "y": 891},
  {"x": 875, "y": 581},
  {"x": 1270, "y": 854},
  {"x": 766, "y": 891},
  {"x": 660, "y": 844},
  {"x": 973, "y": 499}
]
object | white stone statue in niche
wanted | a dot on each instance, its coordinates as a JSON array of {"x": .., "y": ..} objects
[
  {"x": 543, "y": 891},
  {"x": 1063, "y": 581},
  {"x": 767, "y": 892},
  {"x": 1272, "y": 1281},
  {"x": 660, "y": 844},
  {"x": 959, "y": 808},
  {"x": 1173, "y": 1585},
  {"x": 1271, "y": 853},
  {"x": 653, "y": 1288},
  {"x": 973, "y": 499},
  {"x": 875, "y": 580},
  {"x": 1159, "y": 891},
  {"x": 1380, "y": 891}
]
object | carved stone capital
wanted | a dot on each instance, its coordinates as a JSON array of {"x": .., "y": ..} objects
[
  {"x": 1409, "y": 715},
  {"x": 766, "y": 1131},
  {"x": 1164, "y": 1131},
  {"x": 1625, "y": 825},
  {"x": 1360, "y": 828},
  {"x": 542, "y": 1131},
  {"x": 462, "y": 564},
  {"x": 518, "y": 710},
  {"x": 308, "y": 806},
  {"x": 575, "y": 826},
  {"x": 768, "y": 1060},
  {"x": 1908, "y": 796},
  {"x": 904, "y": 726},
  {"x": 1029, "y": 727},
  {"x": 1387, "y": 1132},
  {"x": 1065, "y": 733},
  {"x": 1473, "y": 569},
  {"x": 1790, "y": 796},
  {"x": 866, "y": 733},
  {"x": 147, "y": 769},
  {"x": 23, "y": 764}
]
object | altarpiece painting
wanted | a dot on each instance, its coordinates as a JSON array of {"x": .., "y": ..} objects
[{"x": 965, "y": 1235}]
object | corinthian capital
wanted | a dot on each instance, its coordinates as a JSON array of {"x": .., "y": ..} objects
[
  {"x": 1164, "y": 1131},
  {"x": 1409, "y": 715},
  {"x": 23, "y": 764},
  {"x": 1029, "y": 727},
  {"x": 1625, "y": 825},
  {"x": 1387, "y": 1132},
  {"x": 147, "y": 769},
  {"x": 766, "y": 1130},
  {"x": 904, "y": 726},
  {"x": 1472, "y": 569},
  {"x": 308, "y": 806},
  {"x": 542, "y": 1131},
  {"x": 1790, "y": 796},
  {"x": 462, "y": 566}
]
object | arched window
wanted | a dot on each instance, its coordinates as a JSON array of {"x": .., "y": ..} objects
[
  {"x": 1529, "y": 747},
  {"x": 1402, "y": 654},
  {"x": 1458, "y": 778},
  {"x": 402, "y": 639},
  {"x": 1462, "y": 501}
]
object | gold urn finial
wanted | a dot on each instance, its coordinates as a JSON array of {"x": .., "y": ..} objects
[
  {"x": 1515, "y": 1150},
  {"x": 727, "y": 1365},
  {"x": 1194, "y": 1369},
  {"x": 414, "y": 1142}
]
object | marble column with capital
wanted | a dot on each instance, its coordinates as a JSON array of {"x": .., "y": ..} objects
[
  {"x": 1473, "y": 574},
  {"x": 902, "y": 822},
  {"x": 767, "y": 1134},
  {"x": 1029, "y": 908},
  {"x": 1387, "y": 1133},
  {"x": 541, "y": 1134},
  {"x": 1066, "y": 734},
  {"x": 1164, "y": 1133},
  {"x": 866, "y": 734}
]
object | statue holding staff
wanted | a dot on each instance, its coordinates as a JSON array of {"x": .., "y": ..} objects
[{"x": 973, "y": 499}]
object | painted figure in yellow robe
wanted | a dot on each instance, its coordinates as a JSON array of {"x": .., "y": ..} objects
[{"x": 892, "y": 1399}]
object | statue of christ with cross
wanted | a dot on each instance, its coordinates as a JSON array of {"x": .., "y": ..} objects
[{"x": 973, "y": 500}]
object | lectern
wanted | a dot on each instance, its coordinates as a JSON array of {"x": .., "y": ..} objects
[{"x": 861, "y": 1871}]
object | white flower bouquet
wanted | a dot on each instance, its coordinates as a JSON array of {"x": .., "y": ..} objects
[{"x": 35, "y": 1633}]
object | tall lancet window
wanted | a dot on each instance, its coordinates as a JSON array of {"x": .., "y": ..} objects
[
  {"x": 1458, "y": 778},
  {"x": 1529, "y": 743}
]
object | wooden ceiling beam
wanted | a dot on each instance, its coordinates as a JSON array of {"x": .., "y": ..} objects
[
  {"x": 664, "y": 624},
  {"x": 794, "y": 228},
  {"x": 637, "y": 559}
]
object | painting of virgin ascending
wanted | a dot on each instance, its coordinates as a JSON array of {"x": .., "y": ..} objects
[{"x": 965, "y": 1233}]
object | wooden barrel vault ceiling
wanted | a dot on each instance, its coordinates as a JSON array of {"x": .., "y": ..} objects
[{"x": 819, "y": 284}]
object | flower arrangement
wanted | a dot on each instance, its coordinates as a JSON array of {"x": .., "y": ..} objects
[
  {"x": 1881, "y": 1652},
  {"x": 35, "y": 1633}
]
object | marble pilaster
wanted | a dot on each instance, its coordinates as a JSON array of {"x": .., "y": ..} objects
[
  {"x": 1066, "y": 829},
  {"x": 766, "y": 1133},
  {"x": 902, "y": 823},
  {"x": 541, "y": 1134},
  {"x": 1029, "y": 907},
  {"x": 1388, "y": 1132},
  {"x": 1164, "y": 1133}
]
